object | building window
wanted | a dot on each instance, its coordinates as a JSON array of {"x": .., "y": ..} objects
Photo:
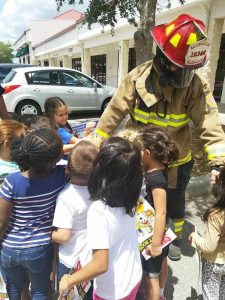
[
  {"x": 46, "y": 63},
  {"x": 61, "y": 64},
  {"x": 24, "y": 60},
  {"x": 220, "y": 71},
  {"x": 76, "y": 64},
  {"x": 98, "y": 68},
  {"x": 28, "y": 59},
  {"x": 132, "y": 59}
]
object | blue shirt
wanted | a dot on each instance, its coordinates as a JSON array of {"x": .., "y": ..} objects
[
  {"x": 33, "y": 208},
  {"x": 65, "y": 135}
]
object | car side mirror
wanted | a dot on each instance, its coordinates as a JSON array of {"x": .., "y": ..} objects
[{"x": 95, "y": 86}]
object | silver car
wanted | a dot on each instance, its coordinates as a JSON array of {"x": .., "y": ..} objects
[{"x": 26, "y": 90}]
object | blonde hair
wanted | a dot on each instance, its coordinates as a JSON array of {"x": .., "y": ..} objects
[
  {"x": 80, "y": 162},
  {"x": 132, "y": 135},
  {"x": 8, "y": 129}
]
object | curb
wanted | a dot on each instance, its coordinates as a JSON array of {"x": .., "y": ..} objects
[{"x": 199, "y": 186}]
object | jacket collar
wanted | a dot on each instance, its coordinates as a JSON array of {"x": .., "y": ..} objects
[{"x": 151, "y": 92}]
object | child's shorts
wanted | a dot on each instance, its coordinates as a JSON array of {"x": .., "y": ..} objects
[{"x": 152, "y": 266}]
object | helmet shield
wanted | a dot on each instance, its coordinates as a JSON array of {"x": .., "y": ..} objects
[{"x": 169, "y": 73}]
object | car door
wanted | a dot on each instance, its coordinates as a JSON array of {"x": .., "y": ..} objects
[
  {"x": 44, "y": 84},
  {"x": 81, "y": 94}
]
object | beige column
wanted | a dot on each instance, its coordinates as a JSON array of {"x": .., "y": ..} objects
[
  {"x": 214, "y": 35},
  {"x": 123, "y": 60},
  {"x": 86, "y": 61},
  {"x": 67, "y": 61},
  {"x": 52, "y": 62}
]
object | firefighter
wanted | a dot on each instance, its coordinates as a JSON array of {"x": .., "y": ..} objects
[{"x": 168, "y": 93}]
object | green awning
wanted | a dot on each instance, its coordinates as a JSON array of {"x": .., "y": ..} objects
[{"x": 22, "y": 51}]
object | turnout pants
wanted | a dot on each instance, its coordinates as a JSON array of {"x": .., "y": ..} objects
[{"x": 176, "y": 198}]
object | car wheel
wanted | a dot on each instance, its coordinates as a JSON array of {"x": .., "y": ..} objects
[
  {"x": 28, "y": 107},
  {"x": 104, "y": 105}
]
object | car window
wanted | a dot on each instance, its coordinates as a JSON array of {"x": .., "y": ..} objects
[
  {"x": 9, "y": 77},
  {"x": 38, "y": 77},
  {"x": 76, "y": 79}
]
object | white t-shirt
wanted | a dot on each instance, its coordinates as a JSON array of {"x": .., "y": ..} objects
[
  {"x": 71, "y": 213},
  {"x": 113, "y": 229}
]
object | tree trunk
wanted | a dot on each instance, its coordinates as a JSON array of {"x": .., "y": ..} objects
[{"x": 143, "y": 40}]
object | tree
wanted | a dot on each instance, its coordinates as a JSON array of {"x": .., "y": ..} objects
[
  {"x": 107, "y": 12},
  {"x": 6, "y": 51}
]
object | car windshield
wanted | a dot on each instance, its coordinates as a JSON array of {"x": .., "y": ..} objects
[{"x": 9, "y": 77}]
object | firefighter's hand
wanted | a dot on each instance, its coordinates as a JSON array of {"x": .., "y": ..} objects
[
  {"x": 214, "y": 176},
  {"x": 154, "y": 250}
]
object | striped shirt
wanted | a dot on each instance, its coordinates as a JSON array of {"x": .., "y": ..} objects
[{"x": 33, "y": 207}]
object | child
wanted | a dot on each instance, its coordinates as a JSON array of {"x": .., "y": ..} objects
[
  {"x": 114, "y": 186},
  {"x": 27, "y": 203},
  {"x": 9, "y": 130},
  {"x": 57, "y": 111},
  {"x": 159, "y": 153},
  {"x": 73, "y": 202},
  {"x": 212, "y": 245}
]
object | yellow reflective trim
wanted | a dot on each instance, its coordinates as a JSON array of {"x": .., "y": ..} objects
[
  {"x": 169, "y": 28},
  {"x": 211, "y": 156},
  {"x": 183, "y": 160},
  {"x": 180, "y": 116},
  {"x": 180, "y": 223},
  {"x": 175, "y": 39},
  {"x": 102, "y": 133},
  {"x": 192, "y": 39},
  {"x": 141, "y": 112},
  {"x": 156, "y": 122},
  {"x": 178, "y": 229},
  {"x": 140, "y": 119}
]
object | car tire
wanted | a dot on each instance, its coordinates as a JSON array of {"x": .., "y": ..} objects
[
  {"x": 104, "y": 105},
  {"x": 28, "y": 107}
]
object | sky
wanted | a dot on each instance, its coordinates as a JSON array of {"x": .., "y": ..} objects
[{"x": 15, "y": 15}]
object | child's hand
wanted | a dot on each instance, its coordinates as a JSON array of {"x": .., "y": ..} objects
[
  {"x": 64, "y": 284},
  {"x": 190, "y": 238},
  {"x": 214, "y": 176},
  {"x": 154, "y": 250}
]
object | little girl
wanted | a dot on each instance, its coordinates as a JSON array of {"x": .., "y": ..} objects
[
  {"x": 114, "y": 186},
  {"x": 57, "y": 111},
  {"x": 212, "y": 245},
  {"x": 158, "y": 154},
  {"x": 27, "y": 203},
  {"x": 9, "y": 130}
]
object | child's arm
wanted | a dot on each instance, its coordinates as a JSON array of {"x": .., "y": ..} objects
[
  {"x": 159, "y": 199},
  {"x": 97, "y": 266},
  {"x": 61, "y": 235},
  {"x": 209, "y": 241},
  {"x": 5, "y": 212}
]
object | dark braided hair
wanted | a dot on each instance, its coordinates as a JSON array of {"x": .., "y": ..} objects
[
  {"x": 37, "y": 149},
  {"x": 52, "y": 104},
  {"x": 160, "y": 144}
]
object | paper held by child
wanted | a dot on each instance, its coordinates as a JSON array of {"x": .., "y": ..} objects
[
  {"x": 79, "y": 291},
  {"x": 145, "y": 217}
]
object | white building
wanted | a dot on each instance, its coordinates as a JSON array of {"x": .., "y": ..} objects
[{"x": 65, "y": 41}]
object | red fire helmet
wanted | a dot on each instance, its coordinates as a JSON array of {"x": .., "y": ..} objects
[{"x": 183, "y": 41}]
